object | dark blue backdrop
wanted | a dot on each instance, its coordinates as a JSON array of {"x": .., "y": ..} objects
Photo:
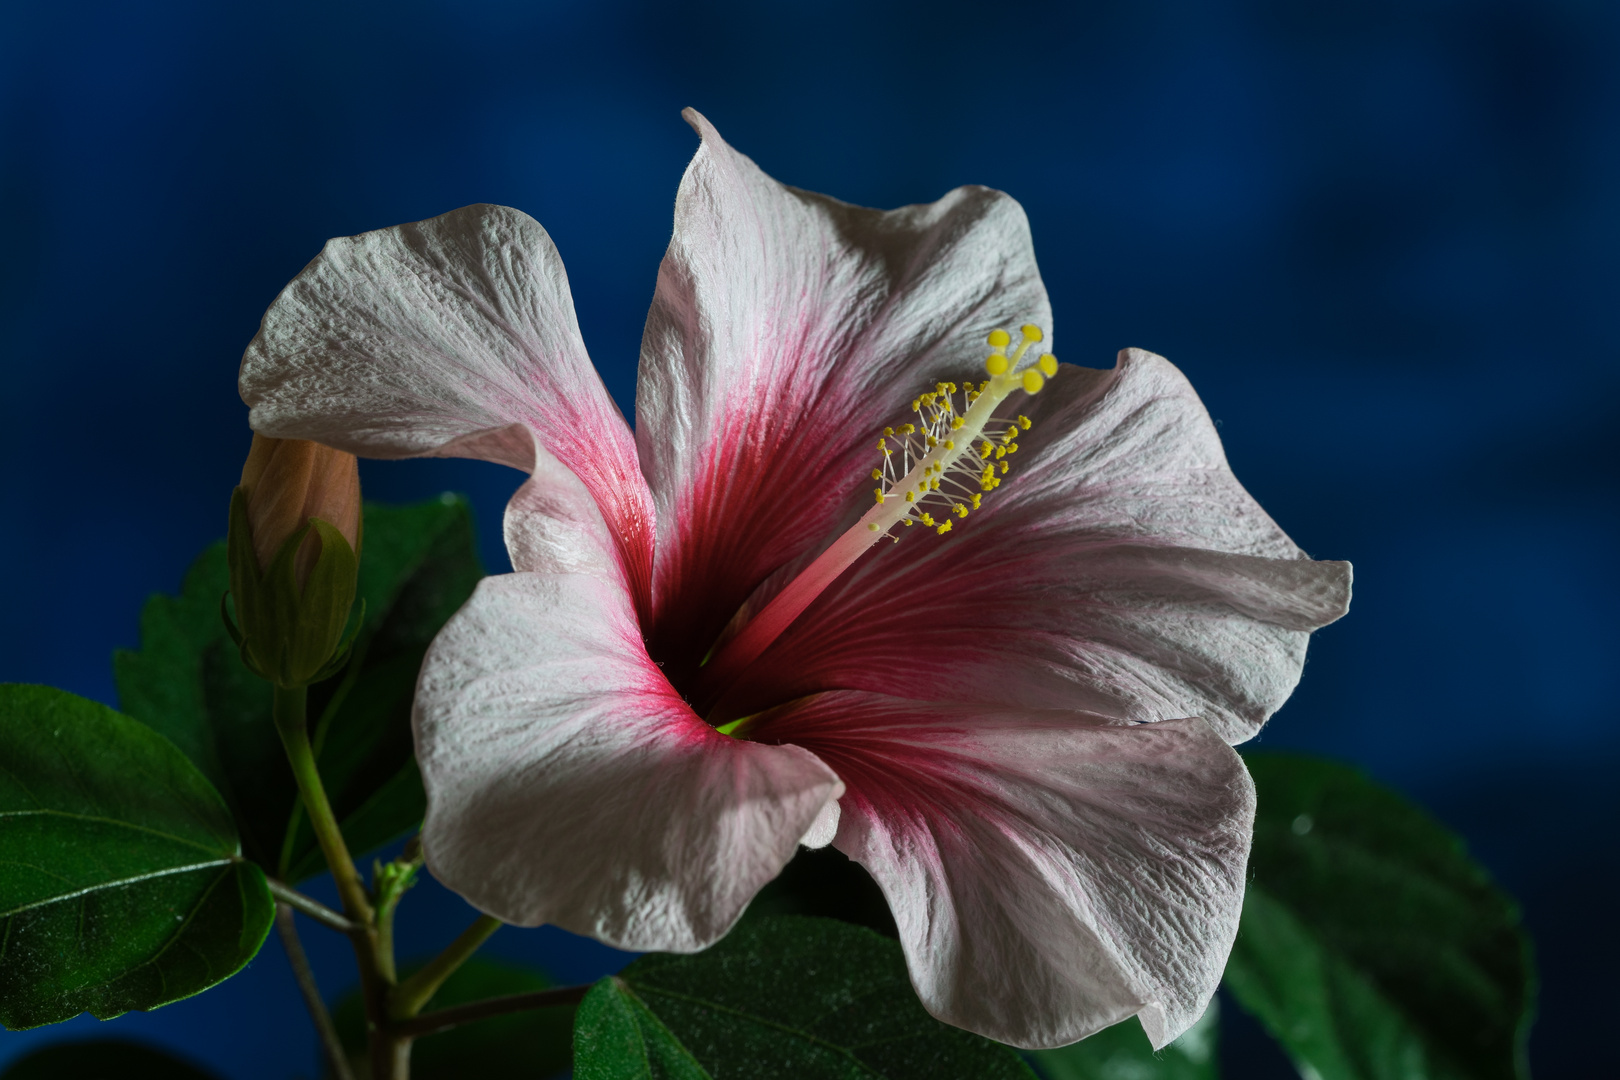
[{"x": 1379, "y": 236}]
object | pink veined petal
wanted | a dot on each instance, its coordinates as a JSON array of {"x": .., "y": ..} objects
[
  {"x": 553, "y": 526},
  {"x": 567, "y": 783},
  {"x": 787, "y": 328},
  {"x": 1120, "y": 569},
  {"x": 448, "y": 337},
  {"x": 1050, "y": 874}
]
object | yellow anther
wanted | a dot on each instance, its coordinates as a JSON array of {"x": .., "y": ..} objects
[
  {"x": 888, "y": 431},
  {"x": 908, "y": 429},
  {"x": 943, "y": 529},
  {"x": 1031, "y": 332},
  {"x": 1033, "y": 381},
  {"x": 1003, "y": 468},
  {"x": 956, "y": 423},
  {"x": 1048, "y": 364},
  {"x": 916, "y": 403},
  {"x": 1012, "y": 448},
  {"x": 879, "y": 493},
  {"x": 877, "y": 474},
  {"x": 933, "y": 485},
  {"x": 911, "y": 496},
  {"x": 984, "y": 449},
  {"x": 995, "y": 364},
  {"x": 880, "y": 444},
  {"x": 1023, "y": 422},
  {"x": 906, "y": 523},
  {"x": 1001, "y": 452},
  {"x": 872, "y": 525},
  {"x": 975, "y": 498},
  {"x": 927, "y": 519},
  {"x": 932, "y": 441},
  {"x": 959, "y": 510},
  {"x": 998, "y": 339},
  {"x": 950, "y": 444}
]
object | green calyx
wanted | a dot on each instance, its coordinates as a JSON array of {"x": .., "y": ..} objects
[{"x": 289, "y": 636}]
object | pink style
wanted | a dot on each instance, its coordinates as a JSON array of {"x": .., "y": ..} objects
[{"x": 1003, "y": 675}]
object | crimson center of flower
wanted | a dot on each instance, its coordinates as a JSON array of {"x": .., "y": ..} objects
[{"x": 945, "y": 461}]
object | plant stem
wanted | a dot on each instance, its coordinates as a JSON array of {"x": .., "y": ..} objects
[
  {"x": 444, "y": 1019},
  {"x": 311, "y": 993},
  {"x": 390, "y": 1055},
  {"x": 310, "y": 906},
  {"x": 415, "y": 992}
]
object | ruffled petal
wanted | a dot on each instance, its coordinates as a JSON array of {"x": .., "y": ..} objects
[
  {"x": 1120, "y": 569},
  {"x": 553, "y": 526},
  {"x": 1050, "y": 874},
  {"x": 786, "y": 330},
  {"x": 567, "y": 783},
  {"x": 449, "y": 337}
]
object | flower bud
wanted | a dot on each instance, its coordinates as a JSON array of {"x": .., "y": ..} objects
[
  {"x": 289, "y": 481},
  {"x": 294, "y": 537}
]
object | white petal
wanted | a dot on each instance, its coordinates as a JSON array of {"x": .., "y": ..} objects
[
  {"x": 826, "y": 827},
  {"x": 567, "y": 783},
  {"x": 1120, "y": 568},
  {"x": 447, "y": 337},
  {"x": 1049, "y": 874},
  {"x": 786, "y": 330},
  {"x": 554, "y": 526}
]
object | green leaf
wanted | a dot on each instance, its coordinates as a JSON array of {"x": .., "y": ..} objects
[
  {"x": 781, "y": 996},
  {"x": 534, "y": 1044},
  {"x": 1371, "y": 945},
  {"x": 123, "y": 888},
  {"x": 102, "y": 1059},
  {"x": 1123, "y": 1052},
  {"x": 418, "y": 565}
]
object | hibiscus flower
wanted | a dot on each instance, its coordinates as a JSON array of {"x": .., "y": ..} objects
[{"x": 1010, "y": 698}]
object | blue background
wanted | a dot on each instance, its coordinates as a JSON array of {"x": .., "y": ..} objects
[{"x": 1378, "y": 236}]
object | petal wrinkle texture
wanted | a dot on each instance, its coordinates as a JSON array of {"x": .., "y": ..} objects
[
  {"x": 569, "y": 784},
  {"x": 786, "y": 330},
  {"x": 1124, "y": 571},
  {"x": 449, "y": 336},
  {"x": 1050, "y": 873}
]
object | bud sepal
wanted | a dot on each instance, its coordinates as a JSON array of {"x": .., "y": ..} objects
[{"x": 292, "y": 637}]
